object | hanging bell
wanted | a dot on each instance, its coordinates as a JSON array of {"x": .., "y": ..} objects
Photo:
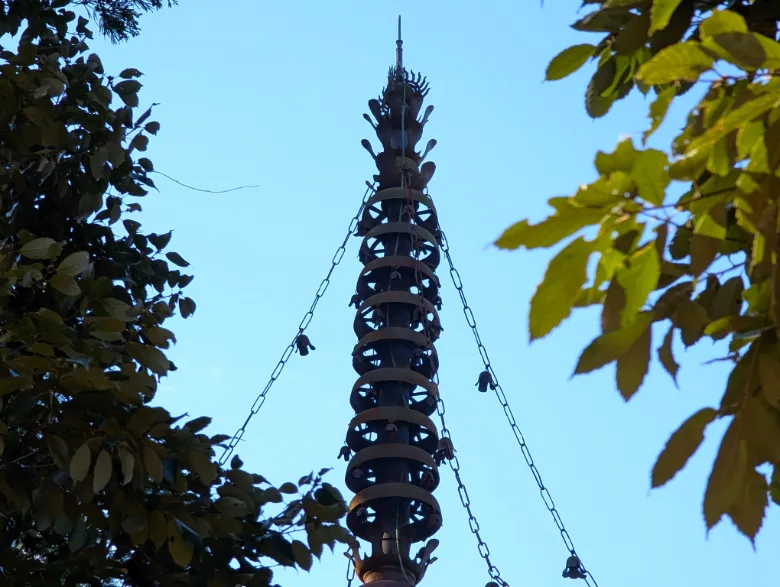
[
  {"x": 573, "y": 568},
  {"x": 304, "y": 344},
  {"x": 485, "y": 380},
  {"x": 492, "y": 584}
]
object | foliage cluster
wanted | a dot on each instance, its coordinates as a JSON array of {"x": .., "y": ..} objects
[
  {"x": 96, "y": 486},
  {"x": 702, "y": 266}
]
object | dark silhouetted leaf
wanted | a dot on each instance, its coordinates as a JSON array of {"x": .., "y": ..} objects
[
  {"x": 728, "y": 475},
  {"x": 681, "y": 446},
  {"x": 633, "y": 365},
  {"x": 81, "y": 462},
  {"x": 103, "y": 470}
]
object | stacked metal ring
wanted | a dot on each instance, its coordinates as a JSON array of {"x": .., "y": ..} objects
[{"x": 393, "y": 470}]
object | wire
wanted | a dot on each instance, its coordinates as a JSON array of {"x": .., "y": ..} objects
[
  {"x": 304, "y": 324},
  {"x": 189, "y": 187}
]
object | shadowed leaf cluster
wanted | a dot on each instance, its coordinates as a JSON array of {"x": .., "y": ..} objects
[{"x": 97, "y": 487}]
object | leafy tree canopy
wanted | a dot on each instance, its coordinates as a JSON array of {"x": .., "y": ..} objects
[
  {"x": 705, "y": 265},
  {"x": 96, "y": 486}
]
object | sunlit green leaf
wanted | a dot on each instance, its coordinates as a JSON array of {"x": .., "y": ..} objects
[
  {"x": 661, "y": 13},
  {"x": 555, "y": 296},
  {"x": 611, "y": 346},
  {"x": 568, "y": 61},
  {"x": 683, "y": 61}
]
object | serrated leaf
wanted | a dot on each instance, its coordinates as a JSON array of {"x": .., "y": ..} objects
[
  {"x": 661, "y": 13},
  {"x": 704, "y": 249},
  {"x": 605, "y": 20},
  {"x": 554, "y": 298},
  {"x": 65, "y": 284},
  {"x": 80, "y": 463},
  {"x": 159, "y": 336},
  {"x": 127, "y": 459},
  {"x": 78, "y": 537},
  {"x": 58, "y": 449},
  {"x": 633, "y": 36},
  {"x": 302, "y": 555},
  {"x": 621, "y": 159},
  {"x": 129, "y": 86},
  {"x": 597, "y": 100},
  {"x": 150, "y": 357},
  {"x": 153, "y": 464},
  {"x": 658, "y": 110},
  {"x": 197, "y": 424},
  {"x": 679, "y": 62},
  {"x": 118, "y": 309},
  {"x": 550, "y": 231},
  {"x": 741, "y": 49},
  {"x": 203, "y": 467},
  {"x": 681, "y": 446},
  {"x": 187, "y": 307},
  {"x": 289, "y": 488},
  {"x": 129, "y": 73},
  {"x": 158, "y": 531},
  {"x": 728, "y": 475},
  {"x": 177, "y": 259},
  {"x": 41, "y": 248},
  {"x": 633, "y": 365},
  {"x": 761, "y": 429},
  {"x": 748, "y": 136},
  {"x": 666, "y": 355},
  {"x": 638, "y": 279},
  {"x": 747, "y": 511},
  {"x": 232, "y": 506},
  {"x": 180, "y": 549},
  {"x": 102, "y": 474},
  {"x": 769, "y": 376},
  {"x": 568, "y": 61},
  {"x": 651, "y": 175},
  {"x": 74, "y": 264},
  {"x": 613, "y": 306},
  {"x": 613, "y": 345},
  {"x": 722, "y": 21},
  {"x": 736, "y": 118}
]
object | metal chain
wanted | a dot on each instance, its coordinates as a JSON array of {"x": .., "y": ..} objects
[
  {"x": 350, "y": 568},
  {"x": 307, "y": 318},
  {"x": 545, "y": 493},
  {"x": 465, "y": 500}
]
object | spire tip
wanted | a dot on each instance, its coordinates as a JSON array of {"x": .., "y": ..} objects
[{"x": 399, "y": 51}]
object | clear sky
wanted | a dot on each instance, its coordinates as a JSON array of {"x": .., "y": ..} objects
[{"x": 272, "y": 93}]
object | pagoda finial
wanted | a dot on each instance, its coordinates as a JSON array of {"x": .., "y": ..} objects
[{"x": 399, "y": 53}]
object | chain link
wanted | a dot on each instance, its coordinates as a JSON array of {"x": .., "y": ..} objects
[
  {"x": 545, "y": 493},
  {"x": 304, "y": 324},
  {"x": 465, "y": 500},
  {"x": 350, "y": 568}
]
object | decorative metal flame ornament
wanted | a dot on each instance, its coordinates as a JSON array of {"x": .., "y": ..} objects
[{"x": 393, "y": 443}]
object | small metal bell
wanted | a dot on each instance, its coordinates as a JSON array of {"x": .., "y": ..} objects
[
  {"x": 485, "y": 380},
  {"x": 304, "y": 344},
  {"x": 573, "y": 568}
]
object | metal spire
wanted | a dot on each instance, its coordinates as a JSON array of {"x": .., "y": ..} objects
[{"x": 399, "y": 52}]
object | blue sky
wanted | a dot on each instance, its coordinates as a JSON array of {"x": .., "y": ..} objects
[{"x": 272, "y": 94}]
